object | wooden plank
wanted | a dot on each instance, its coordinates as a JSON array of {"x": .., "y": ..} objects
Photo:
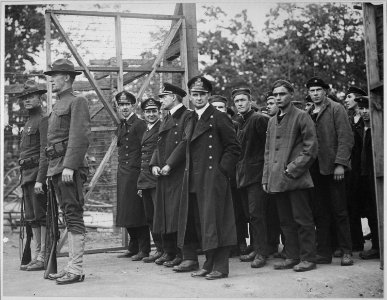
[
  {"x": 125, "y": 62},
  {"x": 189, "y": 12},
  {"x": 102, "y": 128},
  {"x": 160, "y": 56},
  {"x": 101, "y": 167},
  {"x": 80, "y": 61},
  {"x": 184, "y": 61},
  {"x": 163, "y": 69},
  {"x": 114, "y": 14},
  {"x": 47, "y": 22},
  {"x": 120, "y": 85},
  {"x": 173, "y": 51}
]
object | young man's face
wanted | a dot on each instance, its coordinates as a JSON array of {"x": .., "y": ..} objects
[
  {"x": 31, "y": 101},
  {"x": 350, "y": 102},
  {"x": 282, "y": 97},
  {"x": 58, "y": 81},
  {"x": 364, "y": 113},
  {"x": 219, "y": 105},
  {"x": 317, "y": 93},
  {"x": 125, "y": 109},
  {"x": 151, "y": 115},
  {"x": 271, "y": 106},
  {"x": 167, "y": 101},
  {"x": 242, "y": 103},
  {"x": 199, "y": 99}
]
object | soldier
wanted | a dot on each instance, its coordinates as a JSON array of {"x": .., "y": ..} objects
[
  {"x": 335, "y": 139},
  {"x": 168, "y": 187},
  {"x": 146, "y": 183},
  {"x": 291, "y": 147},
  {"x": 67, "y": 142},
  {"x": 130, "y": 208},
  {"x": 206, "y": 214},
  {"x": 252, "y": 136},
  {"x": 33, "y": 170}
]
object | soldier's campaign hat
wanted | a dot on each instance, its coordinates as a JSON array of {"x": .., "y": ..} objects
[
  {"x": 199, "y": 84},
  {"x": 217, "y": 98},
  {"x": 356, "y": 90},
  {"x": 362, "y": 101},
  {"x": 62, "y": 66},
  {"x": 31, "y": 87},
  {"x": 317, "y": 81},
  {"x": 125, "y": 97},
  {"x": 240, "y": 91},
  {"x": 172, "y": 89},
  {"x": 150, "y": 103}
]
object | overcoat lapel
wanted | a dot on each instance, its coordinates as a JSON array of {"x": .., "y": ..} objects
[
  {"x": 149, "y": 133},
  {"x": 203, "y": 123}
]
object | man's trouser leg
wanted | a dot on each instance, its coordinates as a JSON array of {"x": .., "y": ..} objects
[
  {"x": 29, "y": 195},
  {"x": 192, "y": 232},
  {"x": 371, "y": 211},
  {"x": 273, "y": 225},
  {"x": 240, "y": 218},
  {"x": 149, "y": 197}
]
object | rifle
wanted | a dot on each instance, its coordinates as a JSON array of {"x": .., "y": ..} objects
[
  {"x": 26, "y": 256},
  {"x": 52, "y": 232}
]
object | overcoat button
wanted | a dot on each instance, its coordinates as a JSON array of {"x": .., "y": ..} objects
[
  {"x": 210, "y": 146},
  {"x": 210, "y": 167}
]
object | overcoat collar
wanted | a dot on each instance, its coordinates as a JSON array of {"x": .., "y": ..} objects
[
  {"x": 171, "y": 122},
  {"x": 204, "y": 123},
  {"x": 149, "y": 133},
  {"x": 286, "y": 116}
]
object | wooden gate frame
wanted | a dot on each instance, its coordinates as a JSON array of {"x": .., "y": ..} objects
[{"x": 183, "y": 34}]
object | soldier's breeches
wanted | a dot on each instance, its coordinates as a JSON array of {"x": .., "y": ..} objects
[
  {"x": 70, "y": 199},
  {"x": 35, "y": 205}
]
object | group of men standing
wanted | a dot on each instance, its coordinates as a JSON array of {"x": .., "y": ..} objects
[{"x": 195, "y": 179}]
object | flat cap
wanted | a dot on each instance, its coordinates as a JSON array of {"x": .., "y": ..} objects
[
  {"x": 31, "y": 87},
  {"x": 268, "y": 95},
  {"x": 125, "y": 97},
  {"x": 356, "y": 90},
  {"x": 217, "y": 98},
  {"x": 199, "y": 84},
  {"x": 150, "y": 103},
  {"x": 240, "y": 91},
  {"x": 317, "y": 81},
  {"x": 62, "y": 66},
  {"x": 172, "y": 89},
  {"x": 362, "y": 101}
]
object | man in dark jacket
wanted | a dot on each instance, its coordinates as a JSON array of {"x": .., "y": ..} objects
[
  {"x": 206, "y": 215},
  {"x": 146, "y": 183},
  {"x": 67, "y": 142},
  {"x": 130, "y": 209},
  {"x": 252, "y": 136},
  {"x": 168, "y": 187},
  {"x": 33, "y": 170},
  {"x": 290, "y": 149},
  {"x": 335, "y": 139}
]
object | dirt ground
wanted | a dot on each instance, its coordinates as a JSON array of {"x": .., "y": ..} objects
[{"x": 109, "y": 276}]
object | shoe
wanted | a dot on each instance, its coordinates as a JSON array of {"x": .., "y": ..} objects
[
  {"x": 370, "y": 254},
  {"x": 304, "y": 266},
  {"x": 24, "y": 267},
  {"x": 279, "y": 255},
  {"x": 37, "y": 266},
  {"x": 70, "y": 278},
  {"x": 174, "y": 262},
  {"x": 323, "y": 260},
  {"x": 346, "y": 260},
  {"x": 127, "y": 254},
  {"x": 186, "y": 266},
  {"x": 215, "y": 275},
  {"x": 259, "y": 261},
  {"x": 338, "y": 253},
  {"x": 200, "y": 273},
  {"x": 286, "y": 264},
  {"x": 153, "y": 257},
  {"x": 248, "y": 257},
  {"x": 165, "y": 257},
  {"x": 139, "y": 256},
  {"x": 55, "y": 276}
]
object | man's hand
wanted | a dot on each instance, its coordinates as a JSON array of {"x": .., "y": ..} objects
[
  {"x": 139, "y": 193},
  {"x": 38, "y": 188},
  {"x": 165, "y": 170},
  {"x": 67, "y": 175},
  {"x": 156, "y": 171},
  {"x": 338, "y": 173},
  {"x": 264, "y": 187}
]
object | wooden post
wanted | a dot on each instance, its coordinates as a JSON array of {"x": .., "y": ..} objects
[
  {"x": 375, "y": 92},
  {"x": 120, "y": 85},
  {"x": 189, "y": 12},
  {"x": 47, "y": 21}
]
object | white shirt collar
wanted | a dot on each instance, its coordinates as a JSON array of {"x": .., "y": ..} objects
[
  {"x": 131, "y": 114},
  {"x": 174, "y": 109},
  {"x": 200, "y": 111},
  {"x": 151, "y": 125}
]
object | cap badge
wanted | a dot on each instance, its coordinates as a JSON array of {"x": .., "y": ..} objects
[{"x": 198, "y": 83}]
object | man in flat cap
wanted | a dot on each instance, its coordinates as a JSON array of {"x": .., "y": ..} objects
[
  {"x": 146, "y": 183},
  {"x": 290, "y": 149},
  {"x": 271, "y": 106},
  {"x": 219, "y": 102},
  {"x": 206, "y": 215},
  {"x": 67, "y": 142},
  {"x": 130, "y": 208},
  {"x": 353, "y": 184},
  {"x": 252, "y": 136},
  {"x": 335, "y": 139},
  {"x": 168, "y": 186},
  {"x": 33, "y": 170}
]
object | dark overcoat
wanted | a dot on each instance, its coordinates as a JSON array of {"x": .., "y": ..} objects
[
  {"x": 130, "y": 208},
  {"x": 292, "y": 145},
  {"x": 168, "y": 188},
  {"x": 252, "y": 137},
  {"x": 210, "y": 151},
  {"x": 147, "y": 180}
]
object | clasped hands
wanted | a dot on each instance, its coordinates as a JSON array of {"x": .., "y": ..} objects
[{"x": 164, "y": 171}]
